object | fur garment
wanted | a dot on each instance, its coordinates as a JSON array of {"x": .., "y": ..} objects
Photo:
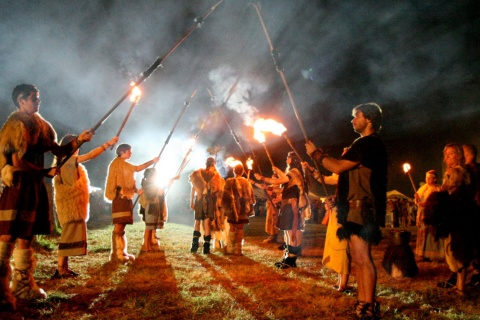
[
  {"x": 22, "y": 130},
  {"x": 72, "y": 201},
  {"x": 120, "y": 174}
]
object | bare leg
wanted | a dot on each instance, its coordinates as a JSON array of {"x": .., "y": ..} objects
[{"x": 365, "y": 267}]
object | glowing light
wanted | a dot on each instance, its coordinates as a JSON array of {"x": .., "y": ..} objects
[
  {"x": 136, "y": 93},
  {"x": 258, "y": 135},
  {"x": 249, "y": 163},
  {"x": 269, "y": 125},
  {"x": 406, "y": 167},
  {"x": 231, "y": 162}
]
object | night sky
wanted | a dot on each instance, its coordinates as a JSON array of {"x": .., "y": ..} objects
[{"x": 419, "y": 60}]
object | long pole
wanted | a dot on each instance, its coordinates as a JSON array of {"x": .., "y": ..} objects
[
  {"x": 279, "y": 68},
  {"x": 268, "y": 154},
  {"x": 185, "y": 106},
  {"x": 144, "y": 75},
  {"x": 134, "y": 103}
]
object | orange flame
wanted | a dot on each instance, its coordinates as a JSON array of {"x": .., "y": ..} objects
[
  {"x": 406, "y": 167},
  {"x": 136, "y": 93},
  {"x": 231, "y": 162},
  {"x": 249, "y": 163},
  {"x": 269, "y": 125}
]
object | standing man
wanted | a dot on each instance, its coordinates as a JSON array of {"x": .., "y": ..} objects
[
  {"x": 237, "y": 202},
  {"x": 24, "y": 209},
  {"x": 207, "y": 186},
  {"x": 361, "y": 198}
]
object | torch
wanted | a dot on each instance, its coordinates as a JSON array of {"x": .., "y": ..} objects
[
  {"x": 134, "y": 98},
  {"x": 406, "y": 168},
  {"x": 144, "y": 75},
  {"x": 249, "y": 166},
  {"x": 260, "y": 137},
  {"x": 279, "y": 68}
]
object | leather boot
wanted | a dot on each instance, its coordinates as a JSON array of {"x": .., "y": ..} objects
[
  {"x": 7, "y": 300},
  {"x": 231, "y": 240},
  {"x": 196, "y": 237},
  {"x": 238, "y": 242},
  {"x": 206, "y": 244},
  {"x": 125, "y": 245},
  {"x": 23, "y": 284}
]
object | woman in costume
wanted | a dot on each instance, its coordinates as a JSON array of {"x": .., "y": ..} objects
[
  {"x": 291, "y": 218},
  {"x": 71, "y": 196}
]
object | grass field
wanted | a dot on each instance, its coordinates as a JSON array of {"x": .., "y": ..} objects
[{"x": 172, "y": 283}]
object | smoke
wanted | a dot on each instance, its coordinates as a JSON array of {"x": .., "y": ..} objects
[{"x": 417, "y": 59}]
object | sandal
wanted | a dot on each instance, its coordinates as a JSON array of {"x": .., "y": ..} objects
[{"x": 366, "y": 310}]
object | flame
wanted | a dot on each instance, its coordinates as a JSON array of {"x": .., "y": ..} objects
[
  {"x": 269, "y": 125},
  {"x": 406, "y": 167},
  {"x": 136, "y": 93},
  {"x": 231, "y": 162},
  {"x": 249, "y": 163},
  {"x": 259, "y": 136}
]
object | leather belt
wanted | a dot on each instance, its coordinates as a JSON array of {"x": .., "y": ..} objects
[{"x": 359, "y": 203}]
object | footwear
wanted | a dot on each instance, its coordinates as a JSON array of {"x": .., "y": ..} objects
[
  {"x": 271, "y": 239},
  {"x": 56, "y": 275},
  {"x": 196, "y": 237},
  {"x": 450, "y": 283},
  {"x": 73, "y": 273},
  {"x": 366, "y": 310},
  {"x": 7, "y": 300},
  {"x": 206, "y": 244},
  {"x": 23, "y": 283}
]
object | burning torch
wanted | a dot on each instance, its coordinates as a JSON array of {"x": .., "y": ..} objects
[
  {"x": 134, "y": 98},
  {"x": 406, "y": 168}
]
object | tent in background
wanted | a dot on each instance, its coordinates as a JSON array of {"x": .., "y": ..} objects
[{"x": 397, "y": 194}]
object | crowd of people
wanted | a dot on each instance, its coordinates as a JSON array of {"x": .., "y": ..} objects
[{"x": 445, "y": 215}]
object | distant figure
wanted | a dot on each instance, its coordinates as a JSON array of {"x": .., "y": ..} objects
[
  {"x": 207, "y": 186},
  {"x": 427, "y": 247},
  {"x": 237, "y": 203}
]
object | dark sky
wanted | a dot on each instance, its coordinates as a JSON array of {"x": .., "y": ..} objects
[{"x": 418, "y": 59}]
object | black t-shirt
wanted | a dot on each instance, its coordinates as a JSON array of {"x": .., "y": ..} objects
[{"x": 370, "y": 175}]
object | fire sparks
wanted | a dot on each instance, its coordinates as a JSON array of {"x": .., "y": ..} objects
[
  {"x": 406, "y": 167},
  {"x": 232, "y": 162},
  {"x": 136, "y": 93}
]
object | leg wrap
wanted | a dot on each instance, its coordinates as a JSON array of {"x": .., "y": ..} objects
[
  {"x": 206, "y": 244},
  {"x": 7, "y": 300},
  {"x": 238, "y": 242},
  {"x": 23, "y": 284},
  {"x": 196, "y": 237}
]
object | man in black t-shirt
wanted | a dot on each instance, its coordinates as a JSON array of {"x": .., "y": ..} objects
[{"x": 361, "y": 198}]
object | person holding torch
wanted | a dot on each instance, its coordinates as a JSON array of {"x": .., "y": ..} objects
[
  {"x": 361, "y": 199},
  {"x": 291, "y": 219}
]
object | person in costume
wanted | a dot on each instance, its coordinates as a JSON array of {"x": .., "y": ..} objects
[
  {"x": 237, "y": 202},
  {"x": 361, "y": 199},
  {"x": 427, "y": 247},
  {"x": 207, "y": 186},
  {"x": 119, "y": 189},
  {"x": 71, "y": 197},
  {"x": 291, "y": 218},
  {"x": 336, "y": 255},
  {"x": 153, "y": 208},
  {"x": 24, "y": 209}
]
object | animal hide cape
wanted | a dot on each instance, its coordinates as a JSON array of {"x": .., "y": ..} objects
[
  {"x": 72, "y": 200},
  {"x": 120, "y": 174},
  {"x": 21, "y": 130}
]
